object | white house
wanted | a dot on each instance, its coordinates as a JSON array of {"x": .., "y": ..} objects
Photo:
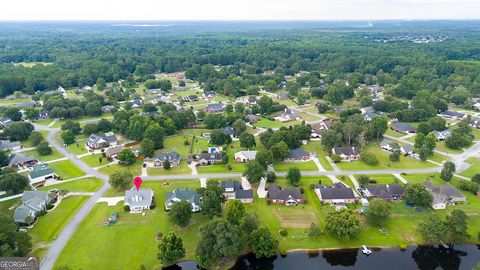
[{"x": 244, "y": 156}]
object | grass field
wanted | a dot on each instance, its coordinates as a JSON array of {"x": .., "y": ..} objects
[
  {"x": 383, "y": 179},
  {"x": 266, "y": 123},
  {"x": 66, "y": 169},
  {"x": 182, "y": 169},
  {"x": 49, "y": 226},
  {"x": 394, "y": 134},
  {"x": 88, "y": 184},
  {"x": 77, "y": 148},
  {"x": 384, "y": 161},
  {"x": 473, "y": 169},
  {"x": 316, "y": 147},
  {"x": 303, "y": 166},
  {"x": 8, "y": 207},
  {"x": 94, "y": 160},
  {"x": 177, "y": 143},
  {"x": 135, "y": 168},
  {"x": 54, "y": 155},
  {"x": 83, "y": 118},
  {"x": 14, "y": 101},
  {"x": 44, "y": 122}
]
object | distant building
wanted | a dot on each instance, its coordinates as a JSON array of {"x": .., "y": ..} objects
[
  {"x": 403, "y": 128},
  {"x": 98, "y": 141},
  {"x": 215, "y": 108},
  {"x": 284, "y": 196},
  {"x": 282, "y": 96},
  {"x": 20, "y": 160},
  {"x": 389, "y": 192},
  {"x": 107, "y": 108},
  {"x": 444, "y": 195},
  {"x": 298, "y": 155},
  {"x": 319, "y": 128},
  {"x": 347, "y": 153},
  {"x": 287, "y": 115},
  {"x": 138, "y": 200},
  {"x": 43, "y": 115},
  {"x": 191, "y": 98},
  {"x": 244, "y": 156},
  {"x": 183, "y": 194},
  {"x": 452, "y": 115},
  {"x": 442, "y": 135},
  {"x": 252, "y": 119},
  {"x": 7, "y": 145},
  {"x": 172, "y": 157},
  {"x": 5, "y": 122},
  {"x": 336, "y": 194},
  {"x": 113, "y": 151},
  {"x": 233, "y": 190},
  {"x": 136, "y": 104}
]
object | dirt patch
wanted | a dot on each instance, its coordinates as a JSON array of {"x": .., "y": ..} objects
[{"x": 295, "y": 220}]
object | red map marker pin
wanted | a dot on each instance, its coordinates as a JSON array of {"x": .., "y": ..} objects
[{"x": 137, "y": 181}]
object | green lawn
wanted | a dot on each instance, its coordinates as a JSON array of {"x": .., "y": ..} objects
[
  {"x": 316, "y": 147},
  {"x": 394, "y": 134},
  {"x": 88, "y": 184},
  {"x": 443, "y": 147},
  {"x": 83, "y": 118},
  {"x": 54, "y": 155},
  {"x": 182, "y": 169},
  {"x": 303, "y": 166},
  {"x": 135, "y": 168},
  {"x": 384, "y": 161},
  {"x": 66, "y": 169},
  {"x": 49, "y": 226},
  {"x": 199, "y": 145},
  {"x": 77, "y": 148},
  {"x": 383, "y": 178},
  {"x": 14, "y": 101},
  {"x": 265, "y": 123},
  {"x": 177, "y": 143},
  {"x": 473, "y": 169},
  {"x": 94, "y": 160},
  {"x": 8, "y": 207},
  {"x": 44, "y": 122},
  {"x": 134, "y": 231}
]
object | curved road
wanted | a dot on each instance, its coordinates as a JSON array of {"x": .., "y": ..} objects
[{"x": 62, "y": 239}]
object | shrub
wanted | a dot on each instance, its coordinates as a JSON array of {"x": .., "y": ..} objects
[
  {"x": 335, "y": 158},
  {"x": 319, "y": 181},
  {"x": 372, "y": 181},
  {"x": 229, "y": 166},
  {"x": 469, "y": 186},
  {"x": 49, "y": 206},
  {"x": 271, "y": 176},
  {"x": 283, "y": 232},
  {"x": 154, "y": 204},
  {"x": 186, "y": 142},
  {"x": 369, "y": 159},
  {"x": 126, "y": 208}
]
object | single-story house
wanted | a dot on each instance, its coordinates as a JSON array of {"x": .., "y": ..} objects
[
  {"x": 210, "y": 158},
  {"x": 214, "y": 108},
  {"x": 107, "y": 108},
  {"x": 283, "y": 95},
  {"x": 33, "y": 203},
  {"x": 7, "y": 145},
  {"x": 475, "y": 123},
  {"x": 444, "y": 195},
  {"x": 190, "y": 98},
  {"x": 97, "y": 141},
  {"x": 388, "y": 192},
  {"x": 347, "y": 153},
  {"x": 252, "y": 119},
  {"x": 138, "y": 200},
  {"x": 136, "y": 104},
  {"x": 40, "y": 173},
  {"x": 287, "y": 115},
  {"x": 233, "y": 190},
  {"x": 29, "y": 104},
  {"x": 442, "y": 135},
  {"x": 84, "y": 89},
  {"x": 406, "y": 149},
  {"x": 5, "y": 122},
  {"x": 250, "y": 100},
  {"x": 228, "y": 131},
  {"x": 376, "y": 88},
  {"x": 369, "y": 116},
  {"x": 43, "y": 114},
  {"x": 113, "y": 151},
  {"x": 290, "y": 196},
  {"x": 172, "y": 157},
  {"x": 208, "y": 95},
  {"x": 183, "y": 194},
  {"x": 298, "y": 155},
  {"x": 452, "y": 115},
  {"x": 476, "y": 106},
  {"x": 403, "y": 128},
  {"x": 244, "y": 156},
  {"x": 336, "y": 194},
  {"x": 111, "y": 88},
  {"x": 179, "y": 88},
  {"x": 388, "y": 145},
  {"x": 20, "y": 160},
  {"x": 319, "y": 128}
]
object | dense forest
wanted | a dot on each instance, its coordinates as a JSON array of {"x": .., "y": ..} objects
[{"x": 360, "y": 55}]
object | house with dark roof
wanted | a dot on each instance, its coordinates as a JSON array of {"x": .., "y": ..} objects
[
  {"x": 5, "y": 122},
  {"x": 338, "y": 194},
  {"x": 30, "y": 104},
  {"x": 289, "y": 196},
  {"x": 43, "y": 114},
  {"x": 474, "y": 123},
  {"x": 33, "y": 203},
  {"x": 107, "y": 108},
  {"x": 172, "y": 157},
  {"x": 369, "y": 116},
  {"x": 444, "y": 195},
  {"x": 244, "y": 156},
  {"x": 40, "y": 173},
  {"x": 319, "y": 128},
  {"x": 190, "y": 98},
  {"x": 20, "y": 160},
  {"x": 136, "y": 104},
  {"x": 214, "y": 108},
  {"x": 347, "y": 153},
  {"x": 210, "y": 158},
  {"x": 98, "y": 141},
  {"x": 7, "y": 145},
  {"x": 452, "y": 115},
  {"x": 183, "y": 194},
  {"x": 403, "y": 128},
  {"x": 113, "y": 151},
  {"x": 287, "y": 115},
  {"x": 138, "y": 200},
  {"x": 283, "y": 95},
  {"x": 298, "y": 155},
  {"x": 233, "y": 190},
  {"x": 388, "y": 192},
  {"x": 208, "y": 95},
  {"x": 111, "y": 88},
  {"x": 228, "y": 131},
  {"x": 252, "y": 119}
]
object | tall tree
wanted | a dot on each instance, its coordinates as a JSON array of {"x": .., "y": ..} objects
[
  {"x": 234, "y": 211},
  {"x": 254, "y": 171},
  {"x": 456, "y": 226},
  {"x": 294, "y": 176},
  {"x": 212, "y": 199},
  {"x": 121, "y": 179},
  {"x": 343, "y": 224},
  {"x": 170, "y": 249},
  {"x": 263, "y": 243},
  {"x": 447, "y": 171},
  {"x": 431, "y": 228},
  {"x": 378, "y": 212},
  {"x": 181, "y": 213}
]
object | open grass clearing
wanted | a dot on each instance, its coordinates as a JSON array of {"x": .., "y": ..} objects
[
  {"x": 66, "y": 169},
  {"x": 473, "y": 169},
  {"x": 93, "y": 160},
  {"x": 135, "y": 169},
  {"x": 88, "y": 184},
  {"x": 54, "y": 155},
  {"x": 181, "y": 169}
]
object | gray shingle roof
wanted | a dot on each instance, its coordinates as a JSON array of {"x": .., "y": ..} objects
[
  {"x": 298, "y": 153},
  {"x": 335, "y": 192},
  {"x": 275, "y": 193},
  {"x": 18, "y": 158},
  {"x": 9, "y": 145},
  {"x": 140, "y": 197},
  {"x": 172, "y": 156},
  {"x": 386, "y": 191}
]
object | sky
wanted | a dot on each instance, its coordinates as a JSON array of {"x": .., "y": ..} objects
[{"x": 238, "y": 10}]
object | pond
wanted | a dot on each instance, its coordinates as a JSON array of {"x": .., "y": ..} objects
[{"x": 414, "y": 257}]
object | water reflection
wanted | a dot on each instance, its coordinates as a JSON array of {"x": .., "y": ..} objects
[{"x": 459, "y": 257}]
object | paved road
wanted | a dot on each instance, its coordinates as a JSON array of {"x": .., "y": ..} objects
[{"x": 62, "y": 239}]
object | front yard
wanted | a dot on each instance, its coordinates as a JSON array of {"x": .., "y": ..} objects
[{"x": 66, "y": 169}]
